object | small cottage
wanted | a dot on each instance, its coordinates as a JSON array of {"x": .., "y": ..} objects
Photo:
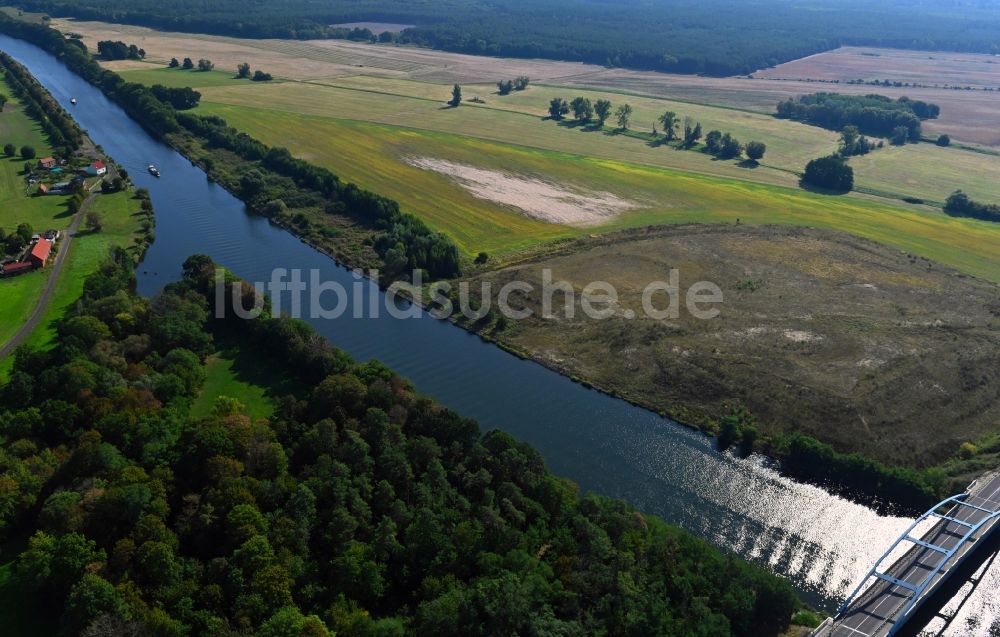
[
  {"x": 47, "y": 163},
  {"x": 97, "y": 169}
]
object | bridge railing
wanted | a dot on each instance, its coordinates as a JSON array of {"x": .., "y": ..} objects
[{"x": 915, "y": 592}]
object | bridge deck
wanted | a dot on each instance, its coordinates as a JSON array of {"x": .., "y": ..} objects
[{"x": 876, "y": 611}]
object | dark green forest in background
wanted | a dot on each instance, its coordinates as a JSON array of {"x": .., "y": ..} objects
[
  {"x": 718, "y": 37},
  {"x": 359, "y": 508}
]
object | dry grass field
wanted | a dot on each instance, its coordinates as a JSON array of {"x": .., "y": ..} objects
[
  {"x": 861, "y": 346},
  {"x": 970, "y": 116},
  {"x": 931, "y": 68}
]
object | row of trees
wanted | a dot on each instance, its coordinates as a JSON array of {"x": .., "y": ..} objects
[
  {"x": 189, "y": 64},
  {"x": 63, "y": 132},
  {"x": 876, "y": 115},
  {"x": 505, "y": 87},
  {"x": 26, "y": 152},
  {"x": 721, "y": 145},
  {"x": 243, "y": 73},
  {"x": 118, "y": 50},
  {"x": 359, "y": 508}
]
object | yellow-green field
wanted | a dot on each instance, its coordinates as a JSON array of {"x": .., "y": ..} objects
[
  {"x": 373, "y": 155},
  {"x": 179, "y": 78},
  {"x": 526, "y": 128},
  {"x": 369, "y": 130}
]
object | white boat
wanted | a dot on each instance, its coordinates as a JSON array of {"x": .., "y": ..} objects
[
  {"x": 153, "y": 171},
  {"x": 73, "y": 101}
]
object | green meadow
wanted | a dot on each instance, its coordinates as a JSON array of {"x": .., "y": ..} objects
[
  {"x": 20, "y": 294},
  {"x": 179, "y": 78},
  {"x": 375, "y": 156},
  {"x": 238, "y": 373},
  {"x": 87, "y": 252}
]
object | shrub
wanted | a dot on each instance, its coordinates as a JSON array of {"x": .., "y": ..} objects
[{"x": 830, "y": 172}]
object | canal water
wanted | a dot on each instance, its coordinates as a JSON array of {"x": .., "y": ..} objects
[{"x": 822, "y": 543}]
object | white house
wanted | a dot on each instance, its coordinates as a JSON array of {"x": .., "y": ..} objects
[{"x": 97, "y": 169}]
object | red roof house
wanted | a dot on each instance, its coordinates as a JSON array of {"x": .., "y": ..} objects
[
  {"x": 17, "y": 268},
  {"x": 47, "y": 163},
  {"x": 39, "y": 254},
  {"x": 97, "y": 168}
]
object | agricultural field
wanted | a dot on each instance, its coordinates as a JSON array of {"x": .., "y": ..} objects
[
  {"x": 150, "y": 74},
  {"x": 381, "y": 158},
  {"x": 471, "y": 172},
  {"x": 841, "y": 338},
  {"x": 968, "y": 116},
  {"x": 927, "y": 68}
]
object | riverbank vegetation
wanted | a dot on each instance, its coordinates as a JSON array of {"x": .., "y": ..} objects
[
  {"x": 684, "y": 37},
  {"x": 358, "y": 508}
]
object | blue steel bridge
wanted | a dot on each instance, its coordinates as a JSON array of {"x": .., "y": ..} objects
[{"x": 890, "y": 594}]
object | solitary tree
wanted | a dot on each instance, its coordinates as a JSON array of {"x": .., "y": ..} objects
[
  {"x": 582, "y": 109},
  {"x": 243, "y": 70},
  {"x": 205, "y": 65},
  {"x": 188, "y": 64},
  {"x": 669, "y": 121},
  {"x": 624, "y": 116},
  {"x": 261, "y": 76},
  {"x": 558, "y": 108},
  {"x": 504, "y": 87},
  {"x": 755, "y": 151},
  {"x": 9, "y": 150},
  {"x": 830, "y": 172},
  {"x": 521, "y": 82},
  {"x": 456, "y": 96},
  {"x": 94, "y": 222},
  {"x": 27, "y": 152},
  {"x": 174, "y": 63},
  {"x": 943, "y": 140},
  {"x": 603, "y": 110}
]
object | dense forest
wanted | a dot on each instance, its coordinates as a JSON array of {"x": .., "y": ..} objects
[
  {"x": 358, "y": 509},
  {"x": 404, "y": 242},
  {"x": 872, "y": 114},
  {"x": 718, "y": 37}
]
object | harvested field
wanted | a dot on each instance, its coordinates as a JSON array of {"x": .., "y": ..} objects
[
  {"x": 538, "y": 199},
  {"x": 865, "y": 347},
  {"x": 933, "y": 68},
  {"x": 970, "y": 116}
]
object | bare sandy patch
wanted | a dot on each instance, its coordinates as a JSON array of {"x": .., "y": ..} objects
[
  {"x": 533, "y": 197},
  {"x": 802, "y": 336}
]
